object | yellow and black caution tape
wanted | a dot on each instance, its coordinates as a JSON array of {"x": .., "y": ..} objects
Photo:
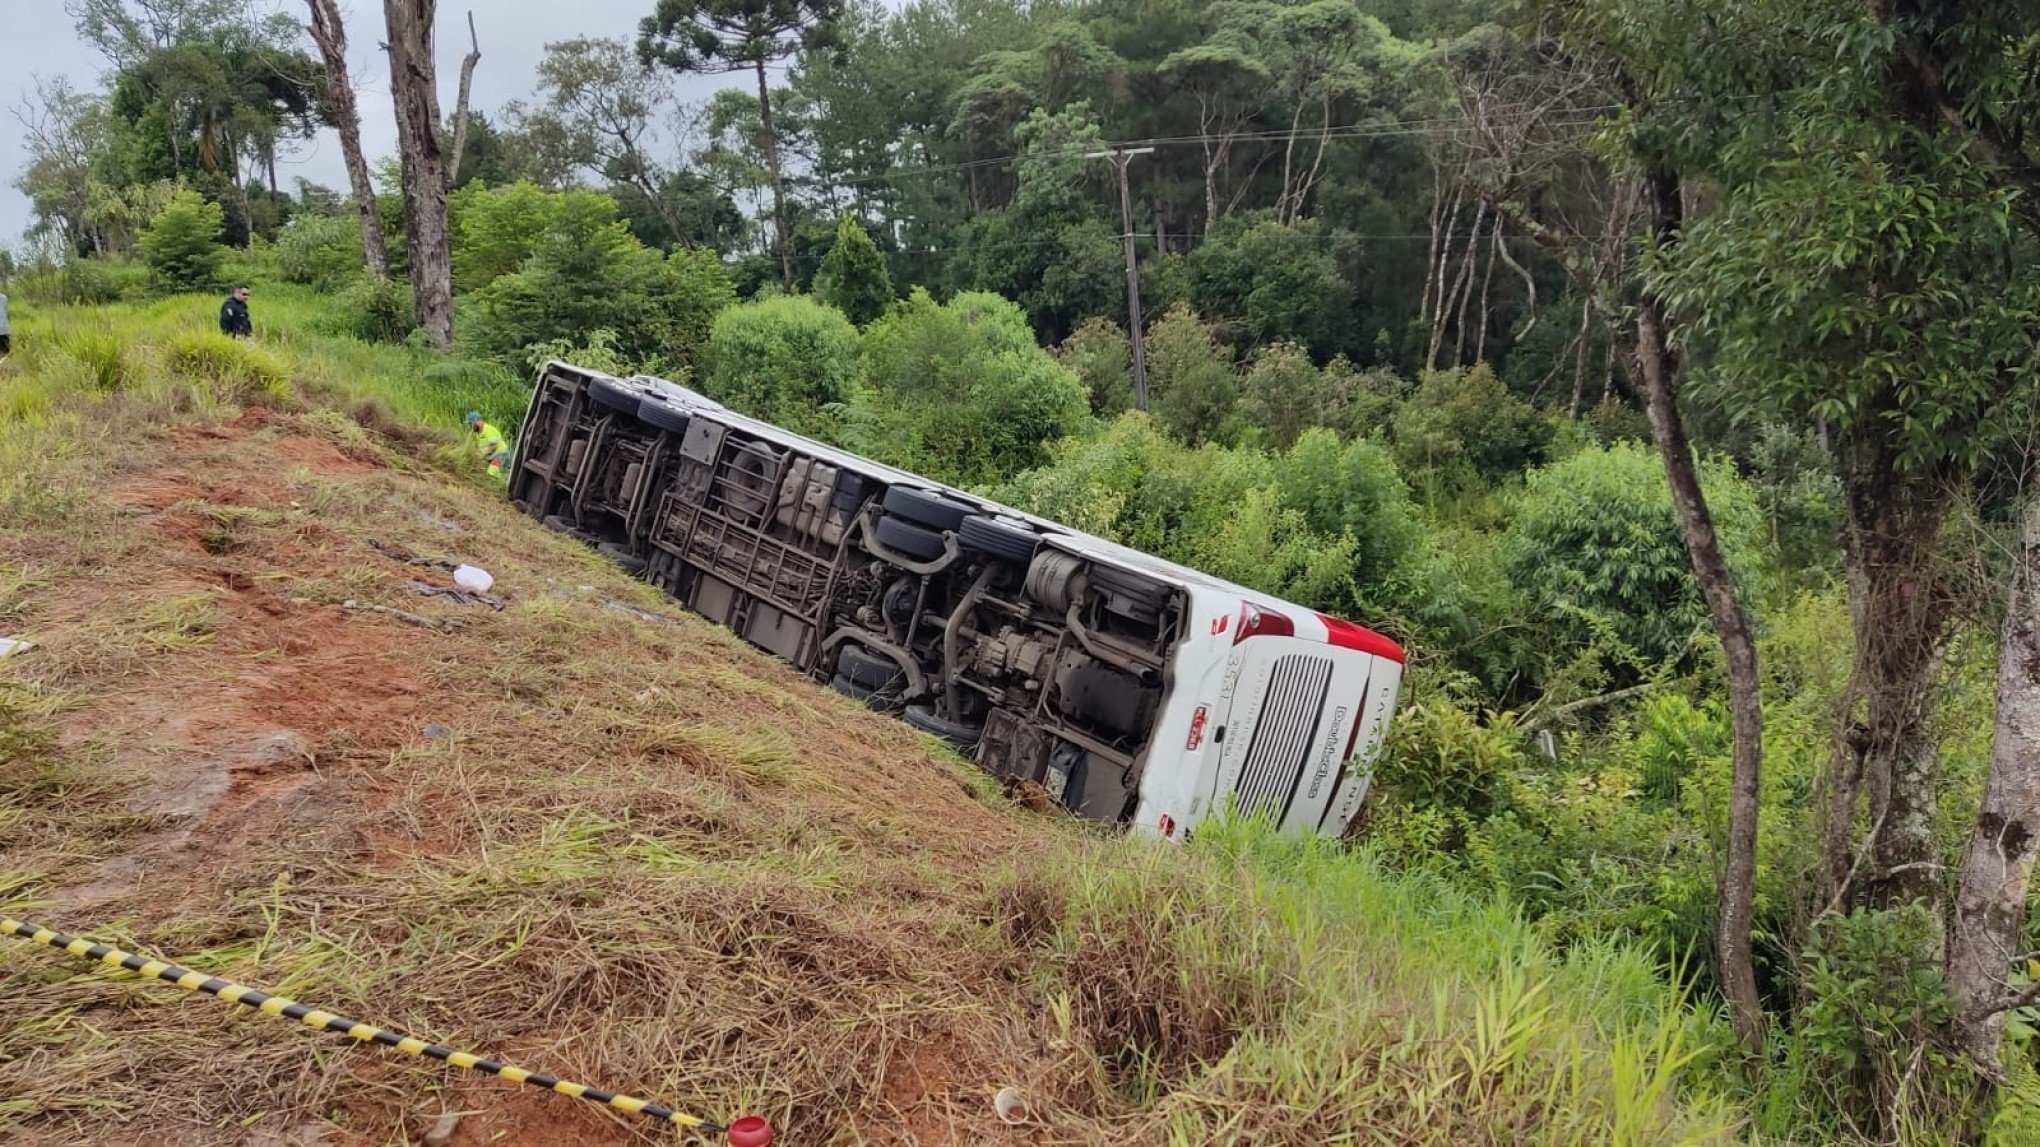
[{"x": 744, "y": 1132}]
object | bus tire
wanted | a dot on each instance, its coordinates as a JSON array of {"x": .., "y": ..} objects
[
  {"x": 621, "y": 555},
  {"x": 906, "y": 538},
  {"x": 849, "y": 688},
  {"x": 608, "y": 392},
  {"x": 963, "y": 737},
  {"x": 654, "y": 412},
  {"x": 925, "y": 508},
  {"x": 991, "y": 536},
  {"x": 557, "y": 523},
  {"x": 869, "y": 671}
]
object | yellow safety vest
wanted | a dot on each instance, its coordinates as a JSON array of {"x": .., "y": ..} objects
[{"x": 494, "y": 449}]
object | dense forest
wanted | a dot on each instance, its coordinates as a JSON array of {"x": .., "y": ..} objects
[{"x": 1660, "y": 372}]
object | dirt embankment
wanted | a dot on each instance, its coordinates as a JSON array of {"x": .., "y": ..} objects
[{"x": 580, "y": 833}]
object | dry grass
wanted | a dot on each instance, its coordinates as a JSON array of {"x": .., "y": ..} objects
[{"x": 633, "y": 851}]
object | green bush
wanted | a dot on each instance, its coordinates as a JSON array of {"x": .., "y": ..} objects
[
  {"x": 320, "y": 251},
  {"x": 584, "y": 274},
  {"x": 1352, "y": 489},
  {"x": 1462, "y": 428},
  {"x": 1191, "y": 388},
  {"x": 787, "y": 359},
  {"x": 85, "y": 281},
  {"x": 370, "y": 309},
  {"x": 1593, "y": 542},
  {"x": 236, "y": 371},
  {"x": 1284, "y": 394},
  {"x": 1441, "y": 756},
  {"x": 1280, "y": 283},
  {"x": 493, "y": 230},
  {"x": 853, "y": 276},
  {"x": 181, "y": 244},
  {"x": 1877, "y": 999},
  {"x": 108, "y": 361},
  {"x": 1102, "y": 357},
  {"x": 961, "y": 391}
]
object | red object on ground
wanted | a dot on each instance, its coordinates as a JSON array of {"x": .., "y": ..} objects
[{"x": 750, "y": 1131}]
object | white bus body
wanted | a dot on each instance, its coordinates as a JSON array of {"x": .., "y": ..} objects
[{"x": 1132, "y": 689}]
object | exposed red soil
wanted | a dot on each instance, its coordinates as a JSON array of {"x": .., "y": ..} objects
[{"x": 283, "y": 716}]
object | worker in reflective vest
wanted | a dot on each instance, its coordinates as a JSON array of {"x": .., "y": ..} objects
[{"x": 490, "y": 441}]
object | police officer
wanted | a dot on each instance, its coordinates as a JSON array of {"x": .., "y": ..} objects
[{"x": 234, "y": 315}]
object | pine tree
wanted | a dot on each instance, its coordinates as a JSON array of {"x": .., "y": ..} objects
[{"x": 853, "y": 277}]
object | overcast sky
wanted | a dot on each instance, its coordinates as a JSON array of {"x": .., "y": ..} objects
[{"x": 37, "y": 39}]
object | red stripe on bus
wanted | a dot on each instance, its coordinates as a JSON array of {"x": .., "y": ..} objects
[{"x": 1346, "y": 635}]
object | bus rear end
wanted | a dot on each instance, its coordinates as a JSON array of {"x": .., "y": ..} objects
[{"x": 1280, "y": 712}]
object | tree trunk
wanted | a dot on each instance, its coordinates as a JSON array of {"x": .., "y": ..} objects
[
  {"x": 1990, "y": 907},
  {"x": 331, "y": 37},
  {"x": 778, "y": 182},
  {"x": 460, "y": 107},
  {"x": 1205, "y": 122},
  {"x": 1288, "y": 162},
  {"x": 1657, "y": 370},
  {"x": 414, "y": 89},
  {"x": 1900, "y": 608},
  {"x": 1442, "y": 247}
]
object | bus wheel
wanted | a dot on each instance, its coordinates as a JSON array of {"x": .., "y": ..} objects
[
  {"x": 925, "y": 508},
  {"x": 997, "y": 538},
  {"x": 870, "y": 671},
  {"x": 962, "y": 737},
  {"x": 916, "y": 542},
  {"x": 615, "y": 395},
  {"x": 621, "y": 555}
]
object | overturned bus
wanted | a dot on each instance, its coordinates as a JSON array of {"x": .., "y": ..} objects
[{"x": 1131, "y": 688}]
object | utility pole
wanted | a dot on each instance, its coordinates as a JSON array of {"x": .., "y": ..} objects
[{"x": 1120, "y": 157}]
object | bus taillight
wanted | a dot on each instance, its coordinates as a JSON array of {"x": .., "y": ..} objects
[{"x": 1258, "y": 622}]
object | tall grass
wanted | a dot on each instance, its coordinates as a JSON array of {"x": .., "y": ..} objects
[
  {"x": 79, "y": 352},
  {"x": 1255, "y": 987}
]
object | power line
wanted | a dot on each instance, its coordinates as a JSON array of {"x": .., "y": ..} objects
[{"x": 1394, "y": 129}]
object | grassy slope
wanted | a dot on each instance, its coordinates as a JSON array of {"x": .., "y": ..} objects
[{"x": 642, "y": 854}]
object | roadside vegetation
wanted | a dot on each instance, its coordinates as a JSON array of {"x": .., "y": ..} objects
[
  {"x": 607, "y": 841},
  {"x": 1660, "y": 374}
]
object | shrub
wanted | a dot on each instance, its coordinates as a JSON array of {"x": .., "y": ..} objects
[
  {"x": 1281, "y": 283},
  {"x": 495, "y": 229},
  {"x": 320, "y": 251},
  {"x": 1102, "y": 357},
  {"x": 1463, "y": 427},
  {"x": 961, "y": 391},
  {"x": 181, "y": 244},
  {"x": 853, "y": 277},
  {"x": 788, "y": 360},
  {"x": 85, "y": 281},
  {"x": 584, "y": 274},
  {"x": 596, "y": 352},
  {"x": 372, "y": 310},
  {"x": 1441, "y": 756},
  {"x": 1285, "y": 394},
  {"x": 1353, "y": 489},
  {"x": 236, "y": 371},
  {"x": 1877, "y": 998},
  {"x": 1362, "y": 402},
  {"x": 1592, "y": 540},
  {"x": 1190, "y": 377}
]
